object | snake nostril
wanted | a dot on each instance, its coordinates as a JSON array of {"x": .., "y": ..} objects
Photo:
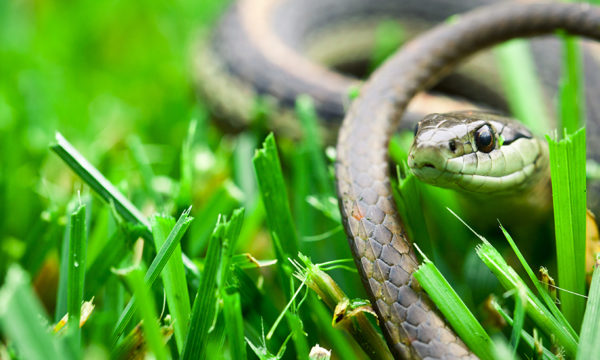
[{"x": 429, "y": 165}]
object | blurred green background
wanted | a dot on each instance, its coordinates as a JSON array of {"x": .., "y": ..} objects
[{"x": 97, "y": 72}]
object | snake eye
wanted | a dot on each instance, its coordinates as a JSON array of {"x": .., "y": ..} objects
[
  {"x": 484, "y": 139},
  {"x": 452, "y": 145}
]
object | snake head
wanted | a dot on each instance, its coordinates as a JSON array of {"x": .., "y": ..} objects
[{"x": 476, "y": 152}]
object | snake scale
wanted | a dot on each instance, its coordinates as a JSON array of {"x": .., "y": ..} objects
[{"x": 245, "y": 50}]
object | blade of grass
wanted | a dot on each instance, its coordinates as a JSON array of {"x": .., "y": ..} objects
[
  {"x": 20, "y": 313},
  {"x": 550, "y": 304},
  {"x": 572, "y": 98},
  {"x": 454, "y": 309},
  {"x": 173, "y": 278},
  {"x": 232, "y": 234},
  {"x": 589, "y": 345},
  {"x": 567, "y": 167},
  {"x": 234, "y": 324},
  {"x": 95, "y": 180},
  {"x": 511, "y": 281},
  {"x": 528, "y": 339},
  {"x": 107, "y": 191},
  {"x": 203, "y": 311},
  {"x": 157, "y": 265},
  {"x": 147, "y": 312},
  {"x": 279, "y": 218},
  {"x": 519, "y": 314},
  {"x": 306, "y": 113},
  {"x": 76, "y": 275},
  {"x": 522, "y": 88},
  {"x": 275, "y": 198}
]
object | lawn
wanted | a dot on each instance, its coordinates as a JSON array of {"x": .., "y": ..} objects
[{"x": 121, "y": 191}]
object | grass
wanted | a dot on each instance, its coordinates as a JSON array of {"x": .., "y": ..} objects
[{"x": 81, "y": 222}]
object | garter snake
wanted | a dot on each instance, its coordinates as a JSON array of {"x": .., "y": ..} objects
[{"x": 383, "y": 253}]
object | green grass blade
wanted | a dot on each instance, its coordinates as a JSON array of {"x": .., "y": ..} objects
[
  {"x": 455, "y": 310},
  {"x": 203, "y": 311},
  {"x": 20, "y": 313},
  {"x": 234, "y": 324},
  {"x": 147, "y": 311},
  {"x": 173, "y": 278},
  {"x": 77, "y": 257},
  {"x": 157, "y": 265},
  {"x": 548, "y": 301},
  {"x": 519, "y": 314},
  {"x": 572, "y": 98},
  {"x": 511, "y": 281},
  {"x": 91, "y": 176},
  {"x": 528, "y": 339},
  {"x": 232, "y": 234},
  {"x": 522, "y": 88},
  {"x": 279, "y": 218},
  {"x": 305, "y": 110},
  {"x": 589, "y": 345},
  {"x": 567, "y": 167},
  {"x": 275, "y": 197},
  {"x": 107, "y": 191}
]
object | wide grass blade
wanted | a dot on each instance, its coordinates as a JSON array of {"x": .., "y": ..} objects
[
  {"x": 567, "y": 167},
  {"x": 234, "y": 324},
  {"x": 155, "y": 268},
  {"x": 203, "y": 311},
  {"x": 275, "y": 197},
  {"x": 173, "y": 278},
  {"x": 454, "y": 309}
]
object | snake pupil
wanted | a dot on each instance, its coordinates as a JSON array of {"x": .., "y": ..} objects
[
  {"x": 452, "y": 145},
  {"x": 484, "y": 139}
]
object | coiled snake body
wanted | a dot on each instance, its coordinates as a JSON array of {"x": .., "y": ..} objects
[{"x": 383, "y": 254}]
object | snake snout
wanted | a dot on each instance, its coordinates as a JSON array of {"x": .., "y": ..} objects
[{"x": 428, "y": 155}]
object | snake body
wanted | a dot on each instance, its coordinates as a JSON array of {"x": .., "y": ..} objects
[
  {"x": 263, "y": 64},
  {"x": 384, "y": 255}
]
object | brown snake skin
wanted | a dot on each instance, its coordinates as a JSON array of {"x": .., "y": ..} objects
[{"x": 384, "y": 255}]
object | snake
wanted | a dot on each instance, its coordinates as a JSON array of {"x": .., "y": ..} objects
[{"x": 274, "y": 68}]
